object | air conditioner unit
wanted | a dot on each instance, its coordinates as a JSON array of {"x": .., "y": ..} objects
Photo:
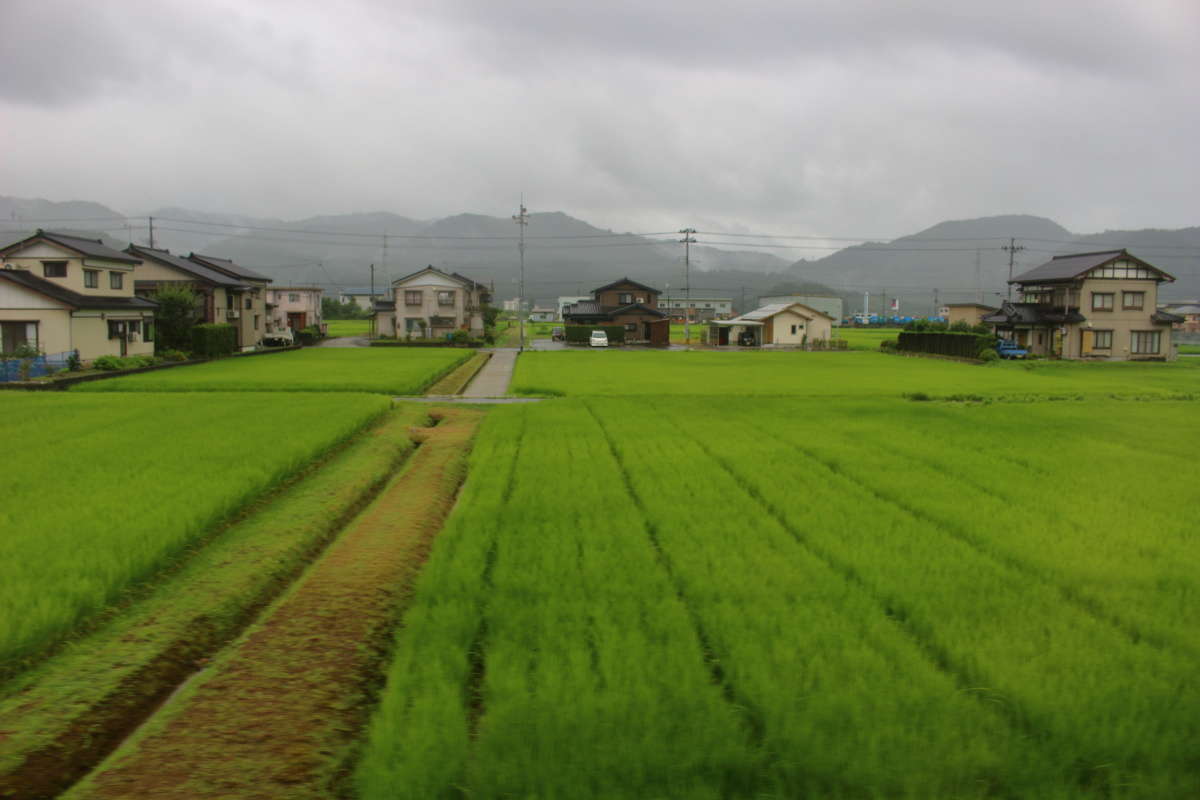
[{"x": 231, "y": 314}]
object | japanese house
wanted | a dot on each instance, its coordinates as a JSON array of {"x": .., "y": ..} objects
[
  {"x": 627, "y": 303},
  {"x": 1099, "y": 305}
]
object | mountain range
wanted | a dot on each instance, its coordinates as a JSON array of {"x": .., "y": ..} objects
[{"x": 962, "y": 260}]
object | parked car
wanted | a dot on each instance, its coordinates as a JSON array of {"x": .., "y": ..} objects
[
  {"x": 283, "y": 337},
  {"x": 558, "y": 335},
  {"x": 598, "y": 339},
  {"x": 1006, "y": 348}
]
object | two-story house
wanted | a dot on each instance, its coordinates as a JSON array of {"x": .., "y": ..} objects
[
  {"x": 294, "y": 307},
  {"x": 246, "y": 304},
  {"x": 63, "y": 293},
  {"x": 627, "y": 303},
  {"x": 1089, "y": 305},
  {"x": 163, "y": 269},
  {"x": 430, "y": 303}
]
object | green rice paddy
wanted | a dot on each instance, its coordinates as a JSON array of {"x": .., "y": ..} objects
[
  {"x": 874, "y": 598},
  {"x": 835, "y": 374},
  {"x": 347, "y": 327},
  {"x": 110, "y": 490},
  {"x": 398, "y": 371}
]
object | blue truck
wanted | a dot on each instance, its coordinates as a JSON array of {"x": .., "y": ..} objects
[{"x": 1006, "y": 348}]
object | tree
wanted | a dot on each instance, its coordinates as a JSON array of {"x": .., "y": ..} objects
[
  {"x": 332, "y": 309},
  {"x": 177, "y": 313}
]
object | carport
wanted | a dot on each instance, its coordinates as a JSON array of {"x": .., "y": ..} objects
[{"x": 743, "y": 332}]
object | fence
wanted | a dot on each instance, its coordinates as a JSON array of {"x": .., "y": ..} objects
[{"x": 11, "y": 368}]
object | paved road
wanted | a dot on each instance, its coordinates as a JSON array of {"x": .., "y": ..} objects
[
  {"x": 345, "y": 341},
  {"x": 493, "y": 379}
]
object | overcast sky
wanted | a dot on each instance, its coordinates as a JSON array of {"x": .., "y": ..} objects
[{"x": 837, "y": 118}]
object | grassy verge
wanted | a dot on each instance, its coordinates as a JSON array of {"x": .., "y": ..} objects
[
  {"x": 63, "y": 715},
  {"x": 456, "y": 381},
  {"x": 276, "y": 713}
]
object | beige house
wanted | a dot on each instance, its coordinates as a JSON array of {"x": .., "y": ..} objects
[
  {"x": 1091, "y": 306},
  {"x": 774, "y": 325},
  {"x": 162, "y": 269},
  {"x": 294, "y": 307},
  {"x": 246, "y": 305},
  {"x": 970, "y": 313},
  {"x": 431, "y": 304},
  {"x": 63, "y": 294}
]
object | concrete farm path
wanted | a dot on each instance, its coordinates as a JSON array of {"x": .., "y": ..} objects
[
  {"x": 279, "y": 712},
  {"x": 493, "y": 379}
]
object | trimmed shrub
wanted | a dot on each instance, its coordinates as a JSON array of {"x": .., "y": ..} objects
[
  {"x": 214, "y": 339},
  {"x": 173, "y": 355}
]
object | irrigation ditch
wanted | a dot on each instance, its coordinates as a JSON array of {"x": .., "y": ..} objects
[{"x": 251, "y": 668}]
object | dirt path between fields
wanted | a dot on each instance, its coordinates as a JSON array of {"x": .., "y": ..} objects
[{"x": 278, "y": 714}]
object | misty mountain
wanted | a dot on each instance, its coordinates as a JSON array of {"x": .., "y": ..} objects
[{"x": 963, "y": 260}]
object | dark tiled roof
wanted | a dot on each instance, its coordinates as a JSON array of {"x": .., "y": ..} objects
[
  {"x": 636, "y": 307},
  {"x": 592, "y": 311},
  {"x": 1166, "y": 317},
  {"x": 1063, "y": 268},
  {"x": 628, "y": 281},
  {"x": 87, "y": 247},
  {"x": 228, "y": 267},
  {"x": 583, "y": 307},
  {"x": 1031, "y": 314},
  {"x": 182, "y": 264},
  {"x": 53, "y": 290},
  {"x": 474, "y": 284}
]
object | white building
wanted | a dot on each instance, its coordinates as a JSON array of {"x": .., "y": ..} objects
[
  {"x": 826, "y": 304},
  {"x": 295, "y": 307},
  {"x": 702, "y": 308},
  {"x": 563, "y": 302},
  {"x": 362, "y": 297},
  {"x": 430, "y": 304}
]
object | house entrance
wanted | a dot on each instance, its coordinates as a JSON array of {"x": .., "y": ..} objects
[{"x": 297, "y": 320}]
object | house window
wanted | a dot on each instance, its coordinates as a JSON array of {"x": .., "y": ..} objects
[
  {"x": 230, "y": 300},
  {"x": 1133, "y": 301},
  {"x": 249, "y": 303},
  {"x": 1102, "y": 301},
  {"x": 116, "y": 280},
  {"x": 631, "y": 327},
  {"x": 625, "y": 298},
  {"x": 116, "y": 330},
  {"x": 256, "y": 322},
  {"x": 91, "y": 279},
  {"x": 445, "y": 298},
  {"x": 15, "y": 334},
  {"x": 293, "y": 298},
  {"x": 1144, "y": 342},
  {"x": 54, "y": 269},
  {"x": 412, "y": 297},
  {"x": 1102, "y": 340},
  {"x": 793, "y": 330},
  {"x": 1039, "y": 338}
]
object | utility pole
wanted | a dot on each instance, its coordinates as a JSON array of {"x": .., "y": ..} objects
[
  {"x": 522, "y": 219},
  {"x": 384, "y": 262},
  {"x": 978, "y": 277},
  {"x": 151, "y": 231},
  {"x": 1012, "y": 247},
  {"x": 936, "y": 312},
  {"x": 687, "y": 240},
  {"x": 372, "y": 299}
]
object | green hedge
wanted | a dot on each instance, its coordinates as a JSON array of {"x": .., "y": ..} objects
[
  {"x": 946, "y": 343},
  {"x": 214, "y": 339},
  {"x": 579, "y": 334}
]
